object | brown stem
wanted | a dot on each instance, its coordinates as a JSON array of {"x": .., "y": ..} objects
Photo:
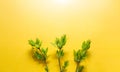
[
  {"x": 77, "y": 66},
  {"x": 59, "y": 64},
  {"x": 46, "y": 66}
]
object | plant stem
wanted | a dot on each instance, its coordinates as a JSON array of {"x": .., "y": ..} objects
[
  {"x": 77, "y": 66},
  {"x": 59, "y": 64},
  {"x": 44, "y": 61},
  {"x": 46, "y": 66},
  {"x": 42, "y": 54}
]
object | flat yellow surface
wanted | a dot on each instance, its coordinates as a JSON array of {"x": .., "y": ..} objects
[{"x": 97, "y": 20}]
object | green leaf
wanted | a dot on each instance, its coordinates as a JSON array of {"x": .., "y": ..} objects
[
  {"x": 38, "y": 56},
  {"x": 86, "y": 45},
  {"x": 63, "y": 40},
  {"x": 66, "y": 63},
  {"x": 44, "y": 51},
  {"x": 78, "y": 55},
  {"x": 83, "y": 54},
  {"x": 31, "y": 42},
  {"x": 60, "y": 53},
  {"x": 37, "y": 41},
  {"x": 75, "y": 56},
  {"x": 57, "y": 42},
  {"x": 60, "y": 42},
  {"x": 37, "y": 46}
]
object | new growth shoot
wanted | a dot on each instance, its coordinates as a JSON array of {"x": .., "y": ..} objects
[
  {"x": 39, "y": 53},
  {"x": 59, "y": 43},
  {"x": 81, "y": 54}
]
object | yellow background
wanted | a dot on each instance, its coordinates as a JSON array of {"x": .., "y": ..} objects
[{"x": 97, "y": 20}]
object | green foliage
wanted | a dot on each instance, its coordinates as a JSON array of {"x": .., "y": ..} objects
[
  {"x": 36, "y": 44},
  {"x": 41, "y": 53},
  {"x": 81, "y": 54},
  {"x": 38, "y": 52},
  {"x": 38, "y": 56},
  {"x": 60, "y": 53},
  {"x": 86, "y": 45},
  {"x": 80, "y": 68},
  {"x": 60, "y": 42},
  {"x": 44, "y": 52},
  {"x": 31, "y": 42},
  {"x": 77, "y": 56},
  {"x": 66, "y": 63}
]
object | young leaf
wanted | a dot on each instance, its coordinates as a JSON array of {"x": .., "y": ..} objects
[
  {"x": 86, "y": 45},
  {"x": 38, "y": 53},
  {"x": 37, "y": 41},
  {"x": 37, "y": 46},
  {"x": 44, "y": 51},
  {"x": 38, "y": 56},
  {"x": 83, "y": 54},
  {"x": 31, "y": 42},
  {"x": 75, "y": 56},
  {"x": 60, "y": 42},
  {"x": 63, "y": 40},
  {"x": 57, "y": 42},
  {"x": 60, "y": 53},
  {"x": 66, "y": 63}
]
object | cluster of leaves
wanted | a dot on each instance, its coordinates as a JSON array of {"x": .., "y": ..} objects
[
  {"x": 38, "y": 52},
  {"x": 60, "y": 53},
  {"x": 81, "y": 55},
  {"x": 66, "y": 63},
  {"x": 41, "y": 53},
  {"x": 59, "y": 43}
]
